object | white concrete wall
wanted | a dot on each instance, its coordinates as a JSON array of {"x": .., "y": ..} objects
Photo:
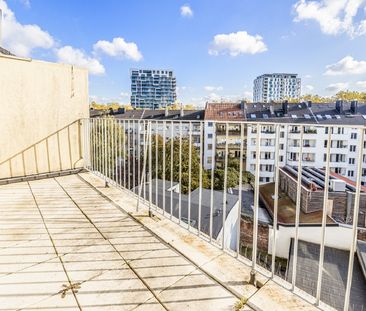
[
  {"x": 231, "y": 229},
  {"x": 336, "y": 236},
  {"x": 37, "y": 100}
]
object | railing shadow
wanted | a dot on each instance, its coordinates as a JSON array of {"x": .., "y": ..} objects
[{"x": 59, "y": 151}]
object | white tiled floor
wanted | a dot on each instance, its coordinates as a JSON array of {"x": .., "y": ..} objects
[{"x": 60, "y": 233}]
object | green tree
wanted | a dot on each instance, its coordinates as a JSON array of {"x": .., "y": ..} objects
[
  {"x": 157, "y": 162},
  {"x": 232, "y": 178},
  {"x": 351, "y": 95}
]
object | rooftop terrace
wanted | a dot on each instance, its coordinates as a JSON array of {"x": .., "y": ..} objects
[{"x": 69, "y": 243}]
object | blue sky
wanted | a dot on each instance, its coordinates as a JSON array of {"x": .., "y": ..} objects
[{"x": 215, "y": 47}]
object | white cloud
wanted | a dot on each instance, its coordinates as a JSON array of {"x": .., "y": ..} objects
[
  {"x": 213, "y": 88},
  {"x": 248, "y": 95},
  {"x": 26, "y": 3},
  {"x": 334, "y": 16},
  {"x": 346, "y": 66},
  {"x": 70, "y": 55},
  {"x": 119, "y": 48},
  {"x": 22, "y": 39},
  {"x": 186, "y": 11},
  {"x": 307, "y": 76},
  {"x": 213, "y": 97},
  {"x": 361, "y": 84},
  {"x": 309, "y": 87},
  {"x": 237, "y": 43},
  {"x": 336, "y": 87},
  {"x": 124, "y": 94}
]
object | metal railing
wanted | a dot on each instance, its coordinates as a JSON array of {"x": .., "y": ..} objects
[{"x": 161, "y": 163}]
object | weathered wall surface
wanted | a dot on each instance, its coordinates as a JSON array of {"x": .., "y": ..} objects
[
  {"x": 342, "y": 202},
  {"x": 41, "y": 104}
]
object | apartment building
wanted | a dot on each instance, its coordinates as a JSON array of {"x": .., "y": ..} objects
[
  {"x": 276, "y": 87},
  {"x": 152, "y": 89},
  {"x": 215, "y": 132},
  {"x": 314, "y": 117}
]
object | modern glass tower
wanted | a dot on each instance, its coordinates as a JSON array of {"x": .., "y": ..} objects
[
  {"x": 276, "y": 87},
  {"x": 152, "y": 89}
]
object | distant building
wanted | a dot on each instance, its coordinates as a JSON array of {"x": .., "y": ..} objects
[
  {"x": 276, "y": 87},
  {"x": 152, "y": 89}
]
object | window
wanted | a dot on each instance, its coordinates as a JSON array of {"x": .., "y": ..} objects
[
  {"x": 350, "y": 173},
  {"x": 352, "y": 148},
  {"x": 325, "y": 143},
  {"x": 209, "y": 146},
  {"x": 282, "y": 134},
  {"x": 210, "y": 124},
  {"x": 281, "y": 146},
  {"x": 209, "y": 135},
  {"x": 353, "y": 135},
  {"x": 351, "y": 161},
  {"x": 281, "y": 158},
  {"x": 209, "y": 160},
  {"x": 325, "y": 157}
]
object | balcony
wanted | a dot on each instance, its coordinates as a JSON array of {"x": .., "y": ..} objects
[{"x": 140, "y": 225}]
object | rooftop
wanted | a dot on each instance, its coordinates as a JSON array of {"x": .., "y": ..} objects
[
  {"x": 287, "y": 208},
  {"x": 70, "y": 243},
  {"x": 172, "y": 204},
  {"x": 334, "y": 276},
  {"x": 298, "y": 113}
]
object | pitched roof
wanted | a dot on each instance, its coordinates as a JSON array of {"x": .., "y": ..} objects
[
  {"x": 161, "y": 114},
  {"x": 335, "y": 270},
  {"x": 225, "y": 112},
  {"x": 173, "y": 197},
  {"x": 324, "y": 113}
]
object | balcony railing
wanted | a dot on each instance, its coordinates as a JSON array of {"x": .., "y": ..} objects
[{"x": 165, "y": 170}]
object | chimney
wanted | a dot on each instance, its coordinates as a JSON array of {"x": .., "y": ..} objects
[
  {"x": 310, "y": 103},
  {"x": 166, "y": 111},
  {"x": 339, "y": 106},
  {"x": 121, "y": 110},
  {"x": 285, "y": 107},
  {"x": 242, "y": 105},
  {"x": 181, "y": 110},
  {"x": 271, "y": 109},
  {"x": 354, "y": 106}
]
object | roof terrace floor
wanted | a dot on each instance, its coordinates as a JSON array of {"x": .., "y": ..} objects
[{"x": 66, "y": 243}]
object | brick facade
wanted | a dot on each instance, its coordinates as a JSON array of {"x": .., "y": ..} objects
[
  {"x": 312, "y": 200},
  {"x": 246, "y": 234}
]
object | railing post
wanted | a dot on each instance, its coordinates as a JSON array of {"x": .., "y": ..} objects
[
  {"x": 164, "y": 138},
  {"x": 180, "y": 172},
  {"x": 240, "y": 187},
  {"x": 354, "y": 220},
  {"x": 171, "y": 167},
  {"x": 224, "y": 195},
  {"x": 200, "y": 180},
  {"x": 156, "y": 165},
  {"x": 256, "y": 199},
  {"x": 276, "y": 194},
  {"x": 324, "y": 220},
  {"x": 212, "y": 177},
  {"x": 298, "y": 207},
  {"x": 189, "y": 171}
]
